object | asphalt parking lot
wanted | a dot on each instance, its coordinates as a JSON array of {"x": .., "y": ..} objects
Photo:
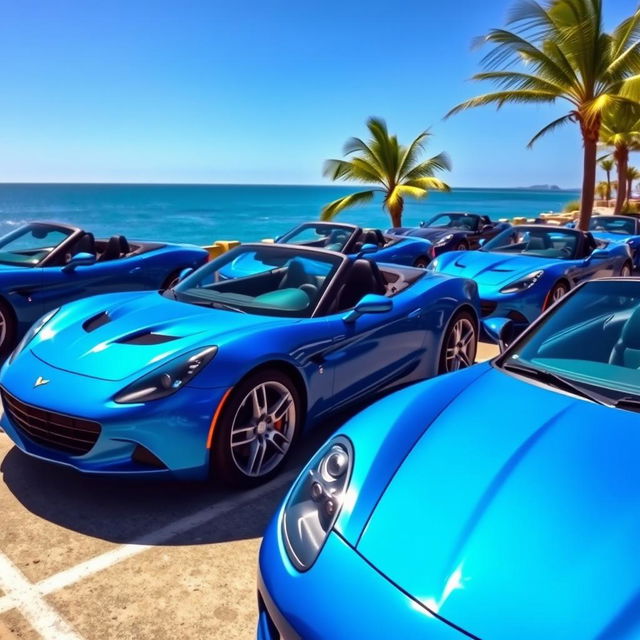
[{"x": 94, "y": 558}]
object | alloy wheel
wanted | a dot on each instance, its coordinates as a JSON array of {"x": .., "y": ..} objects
[
  {"x": 460, "y": 345},
  {"x": 263, "y": 428}
]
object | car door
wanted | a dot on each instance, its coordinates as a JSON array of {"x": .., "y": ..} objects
[
  {"x": 375, "y": 350},
  {"x": 61, "y": 285}
]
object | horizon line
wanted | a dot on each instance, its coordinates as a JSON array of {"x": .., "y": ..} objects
[{"x": 262, "y": 184}]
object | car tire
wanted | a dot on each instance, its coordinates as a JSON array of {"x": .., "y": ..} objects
[
  {"x": 459, "y": 343},
  {"x": 422, "y": 262},
  {"x": 247, "y": 433},
  {"x": 172, "y": 279},
  {"x": 558, "y": 291},
  {"x": 627, "y": 269},
  {"x": 8, "y": 327}
]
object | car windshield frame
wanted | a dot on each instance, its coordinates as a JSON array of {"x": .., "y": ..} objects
[
  {"x": 598, "y": 391},
  {"x": 459, "y": 215},
  {"x": 232, "y": 303},
  {"x": 71, "y": 234},
  {"x": 609, "y": 218},
  {"x": 488, "y": 248},
  {"x": 354, "y": 232}
]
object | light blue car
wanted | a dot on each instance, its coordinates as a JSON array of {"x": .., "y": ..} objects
[
  {"x": 500, "y": 502},
  {"x": 526, "y": 268}
]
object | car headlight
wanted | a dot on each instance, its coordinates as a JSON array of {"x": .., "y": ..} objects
[
  {"x": 444, "y": 240},
  {"x": 524, "y": 283},
  {"x": 315, "y": 502},
  {"x": 35, "y": 329},
  {"x": 168, "y": 378}
]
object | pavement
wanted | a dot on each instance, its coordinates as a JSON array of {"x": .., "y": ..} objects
[{"x": 97, "y": 558}]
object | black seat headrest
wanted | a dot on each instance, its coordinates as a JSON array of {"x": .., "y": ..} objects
[
  {"x": 124, "y": 245},
  {"x": 86, "y": 244},
  {"x": 111, "y": 249},
  {"x": 362, "y": 277}
]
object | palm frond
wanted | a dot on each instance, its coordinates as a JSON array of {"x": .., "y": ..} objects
[
  {"x": 330, "y": 211},
  {"x": 429, "y": 167},
  {"x": 500, "y": 98},
  {"x": 556, "y": 124},
  {"x": 428, "y": 183}
]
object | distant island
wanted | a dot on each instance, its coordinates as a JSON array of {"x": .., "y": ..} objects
[{"x": 542, "y": 187}]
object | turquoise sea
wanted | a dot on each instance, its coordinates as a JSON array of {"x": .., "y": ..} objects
[{"x": 204, "y": 213}]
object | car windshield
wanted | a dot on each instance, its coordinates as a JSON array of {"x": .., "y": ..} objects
[
  {"x": 320, "y": 236},
  {"x": 545, "y": 242},
  {"x": 592, "y": 340},
  {"x": 613, "y": 224},
  {"x": 30, "y": 244},
  {"x": 290, "y": 283},
  {"x": 454, "y": 221}
]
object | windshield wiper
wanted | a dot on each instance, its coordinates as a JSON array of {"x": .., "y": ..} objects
[
  {"x": 554, "y": 380},
  {"x": 628, "y": 402},
  {"x": 229, "y": 307}
]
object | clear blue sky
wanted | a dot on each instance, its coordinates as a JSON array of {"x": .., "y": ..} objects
[{"x": 254, "y": 92}]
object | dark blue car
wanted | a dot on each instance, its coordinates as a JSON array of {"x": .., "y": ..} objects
[
  {"x": 457, "y": 231},
  {"x": 500, "y": 502},
  {"x": 46, "y": 264},
  {"x": 224, "y": 374}
]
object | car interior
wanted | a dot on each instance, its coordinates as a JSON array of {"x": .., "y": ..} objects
[
  {"x": 297, "y": 285},
  {"x": 613, "y": 224},
  {"x": 545, "y": 244},
  {"x": 598, "y": 336}
]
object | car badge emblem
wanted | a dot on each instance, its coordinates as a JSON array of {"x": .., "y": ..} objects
[{"x": 41, "y": 381}]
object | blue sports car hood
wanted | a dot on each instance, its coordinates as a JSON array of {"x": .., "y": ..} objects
[
  {"x": 118, "y": 349},
  {"x": 517, "y": 514},
  {"x": 491, "y": 269}
]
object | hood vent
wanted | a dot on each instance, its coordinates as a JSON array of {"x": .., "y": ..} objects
[
  {"x": 96, "y": 322},
  {"x": 148, "y": 338}
]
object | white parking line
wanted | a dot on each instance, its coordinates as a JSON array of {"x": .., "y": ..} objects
[
  {"x": 15, "y": 598},
  {"x": 24, "y": 596}
]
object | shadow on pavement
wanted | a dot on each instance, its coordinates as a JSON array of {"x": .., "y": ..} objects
[{"x": 121, "y": 510}]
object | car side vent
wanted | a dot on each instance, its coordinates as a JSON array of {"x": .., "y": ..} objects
[
  {"x": 147, "y": 339},
  {"x": 96, "y": 322}
]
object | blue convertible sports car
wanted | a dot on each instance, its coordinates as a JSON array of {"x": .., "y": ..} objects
[
  {"x": 45, "y": 264},
  {"x": 344, "y": 238},
  {"x": 619, "y": 229},
  {"x": 440, "y": 514},
  {"x": 522, "y": 271},
  {"x": 226, "y": 373}
]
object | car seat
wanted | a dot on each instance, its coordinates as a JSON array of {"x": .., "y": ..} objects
[
  {"x": 114, "y": 248},
  {"x": 363, "y": 277},
  {"x": 626, "y": 352},
  {"x": 296, "y": 277}
]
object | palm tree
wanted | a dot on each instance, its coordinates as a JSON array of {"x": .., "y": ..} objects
[
  {"x": 602, "y": 189},
  {"x": 560, "y": 51},
  {"x": 396, "y": 171},
  {"x": 607, "y": 165},
  {"x": 620, "y": 130},
  {"x": 633, "y": 174}
]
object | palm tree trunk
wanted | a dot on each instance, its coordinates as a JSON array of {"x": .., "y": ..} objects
[
  {"x": 622, "y": 161},
  {"x": 629, "y": 189},
  {"x": 608, "y": 187},
  {"x": 590, "y": 137},
  {"x": 396, "y": 213}
]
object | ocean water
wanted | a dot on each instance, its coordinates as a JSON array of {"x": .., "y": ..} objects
[{"x": 202, "y": 214}]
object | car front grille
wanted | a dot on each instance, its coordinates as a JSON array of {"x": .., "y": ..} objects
[
  {"x": 50, "y": 429},
  {"x": 487, "y": 307}
]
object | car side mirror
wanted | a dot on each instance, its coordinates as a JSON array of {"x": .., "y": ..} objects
[
  {"x": 185, "y": 273},
  {"x": 371, "y": 303},
  {"x": 367, "y": 249},
  {"x": 482, "y": 242},
  {"x": 499, "y": 331},
  {"x": 80, "y": 260}
]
